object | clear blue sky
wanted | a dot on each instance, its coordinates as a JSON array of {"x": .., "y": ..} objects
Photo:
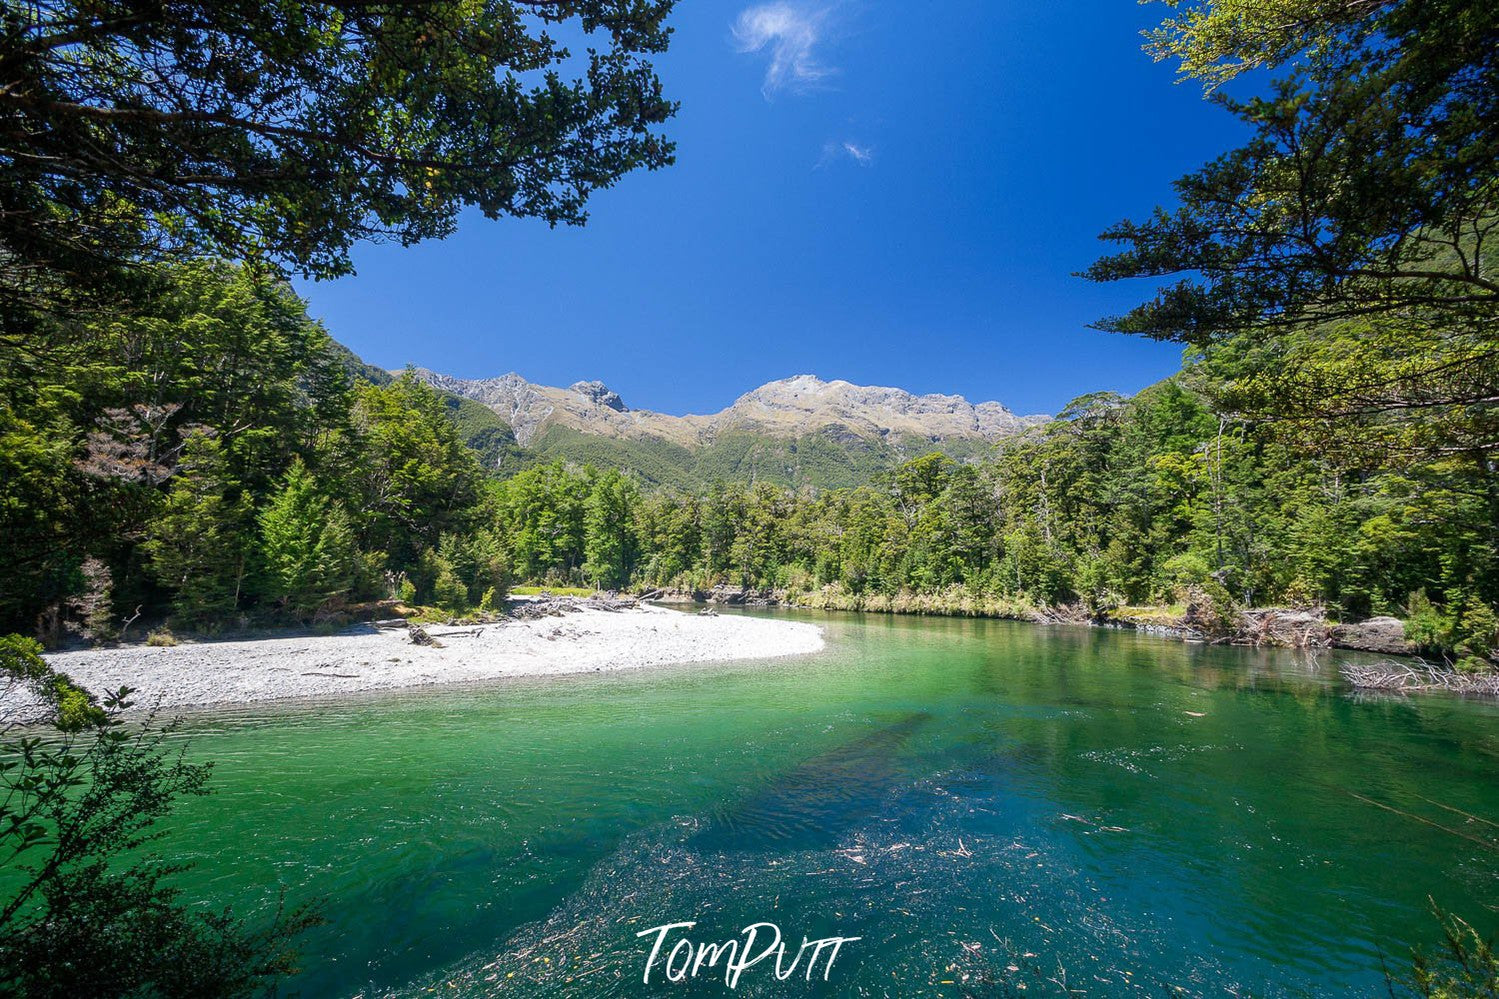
[{"x": 886, "y": 192}]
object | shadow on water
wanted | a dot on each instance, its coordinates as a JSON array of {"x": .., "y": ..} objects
[{"x": 814, "y": 805}]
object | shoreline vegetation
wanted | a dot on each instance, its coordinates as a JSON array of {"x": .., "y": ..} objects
[
  {"x": 555, "y": 631},
  {"x": 1273, "y": 627}
]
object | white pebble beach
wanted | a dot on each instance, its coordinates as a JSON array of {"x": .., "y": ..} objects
[{"x": 202, "y": 674}]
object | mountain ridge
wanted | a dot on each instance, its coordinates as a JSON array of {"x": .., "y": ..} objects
[{"x": 784, "y": 408}]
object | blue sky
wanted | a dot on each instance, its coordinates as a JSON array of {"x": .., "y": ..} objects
[{"x": 861, "y": 192}]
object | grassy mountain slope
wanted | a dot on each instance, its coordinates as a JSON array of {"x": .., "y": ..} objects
[
  {"x": 828, "y": 459},
  {"x": 486, "y": 433}
]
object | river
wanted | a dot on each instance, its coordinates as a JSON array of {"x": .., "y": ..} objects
[{"x": 985, "y": 804}]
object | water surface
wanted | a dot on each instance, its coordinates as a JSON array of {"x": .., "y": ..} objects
[{"x": 985, "y": 803}]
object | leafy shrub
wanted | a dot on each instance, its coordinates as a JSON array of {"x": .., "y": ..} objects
[
  {"x": 162, "y": 638},
  {"x": 1474, "y": 633},
  {"x": 1425, "y": 626},
  {"x": 84, "y": 911},
  {"x": 1211, "y": 610},
  {"x": 1299, "y": 594},
  {"x": 1465, "y": 967},
  {"x": 448, "y": 591},
  {"x": 1466, "y": 635},
  {"x": 1182, "y": 572}
]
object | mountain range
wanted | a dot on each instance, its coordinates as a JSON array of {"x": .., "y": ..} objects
[{"x": 796, "y": 431}]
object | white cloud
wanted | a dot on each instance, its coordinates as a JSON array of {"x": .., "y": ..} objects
[
  {"x": 838, "y": 148},
  {"x": 862, "y": 155},
  {"x": 790, "y": 34}
]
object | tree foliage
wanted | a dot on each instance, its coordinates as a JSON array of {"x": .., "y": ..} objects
[
  {"x": 1159, "y": 499},
  {"x": 306, "y": 544},
  {"x": 1348, "y": 248},
  {"x": 213, "y": 456},
  {"x": 286, "y": 132},
  {"x": 86, "y": 911}
]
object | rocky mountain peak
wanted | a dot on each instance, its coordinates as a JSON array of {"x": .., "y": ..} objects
[
  {"x": 600, "y": 395},
  {"x": 788, "y": 407}
]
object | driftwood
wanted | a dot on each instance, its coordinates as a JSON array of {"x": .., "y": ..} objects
[
  {"x": 1419, "y": 675},
  {"x": 551, "y": 606}
]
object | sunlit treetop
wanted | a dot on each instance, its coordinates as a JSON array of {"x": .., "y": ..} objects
[{"x": 1217, "y": 40}]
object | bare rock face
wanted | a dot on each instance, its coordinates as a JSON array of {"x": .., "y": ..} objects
[
  {"x": 1385, "y": 635},
  {"x": 524, "y": 406},
  {"x": 600, "y": 395},
  {"x": 806, "y": 402},
  {"x": 791, "y": 407}
]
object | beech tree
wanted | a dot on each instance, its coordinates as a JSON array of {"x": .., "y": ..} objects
[
  {"x": 285, "y": 132},
  {"x": 197, "y": 543},
  {"x": 1348, "y": 248},
  {"x": 306, "y": 544}
]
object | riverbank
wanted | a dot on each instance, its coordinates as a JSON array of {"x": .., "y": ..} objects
[
  {"x": 571, "y": 637},
  {"x": 1273, "y": 627}
]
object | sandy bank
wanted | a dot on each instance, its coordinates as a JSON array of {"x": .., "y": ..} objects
[{"x": 584, "y": 641}]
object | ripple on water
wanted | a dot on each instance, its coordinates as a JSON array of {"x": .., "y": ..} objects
[{"x": 943, "y": 900}]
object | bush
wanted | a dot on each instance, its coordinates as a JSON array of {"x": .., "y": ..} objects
[
  {"x": 1211, "y": 610},
  {"x": 448, "y": 591},
  {"x": 371, "y": 580},
  {"x": 84, "y": 911},
  {"x": 1181, "y": 573},
  {"x": 1300, "y": 595},
  {"x": 1465, "y": 966},
  {"x": 1466, "y": 635},
  {"x": 1095, "y": 584},
  {"x": 162, "y": 638},
  {"x": 1425, "y": 626},
  {"x": 1474, "y": 633}
]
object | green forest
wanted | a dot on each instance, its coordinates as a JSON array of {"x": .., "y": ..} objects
[
  {"x": 255, "y": 473},
  {"x": 183, "y": 448}
]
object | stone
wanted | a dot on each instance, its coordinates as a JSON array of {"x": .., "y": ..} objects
[{"x": 1385, "y": 635}]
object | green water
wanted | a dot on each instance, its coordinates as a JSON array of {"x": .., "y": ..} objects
[{"x": 960, "y": 794}]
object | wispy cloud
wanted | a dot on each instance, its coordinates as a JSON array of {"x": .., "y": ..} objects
[
  {"x": 862, "y": 155},
  {"x": 835, "y": 149},
  {"x": 790, "y": 34}
]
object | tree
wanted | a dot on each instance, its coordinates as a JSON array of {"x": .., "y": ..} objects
[
  {"x": 285, "y": 132},
  {"x": 306, "y": 544},
  {"x": 197, "y": 544},
  {"x": 43, "y": 513},
  {"x": 83, "y": 913},
  {"x": 409, "y": 473},
  {"x": 541, "y": 512},
  {"x": 1360, "y": 216},
  {"x": 609, "y": 542},
  {"x": 1217, "y": 40}
]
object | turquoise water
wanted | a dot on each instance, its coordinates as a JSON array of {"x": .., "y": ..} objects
[{"x": 985, "y": 804}]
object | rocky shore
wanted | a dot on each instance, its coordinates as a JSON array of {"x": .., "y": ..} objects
[{"x": 547, "y": 637}]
